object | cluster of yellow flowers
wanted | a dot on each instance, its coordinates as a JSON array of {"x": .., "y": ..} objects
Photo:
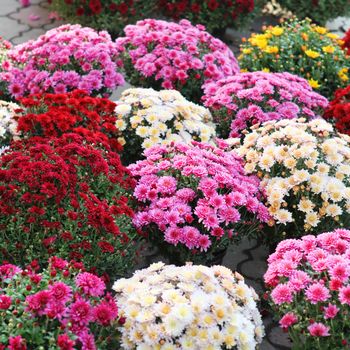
[
  {"x": 188, "y": 307},
  {"x": 298, "y": 47},
  {"x": 160, "y": 117},
  {"x": 305, "y": 168}
]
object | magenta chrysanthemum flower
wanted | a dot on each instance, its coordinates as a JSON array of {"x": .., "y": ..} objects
[
  {"x": 317, "y": 292},
  {"x": 90, "y": 284},
  {"x": 60, "y": 292},
  {"x": 344, "y": 295},
  {"x": 80, "y": 312},
  {"x": 5, "y": 302},
  {"x": 288, "y": 320},
  {"x": 38, "y": 302},
  {"x": 8, "y": 271},
  {"x": 331, "y": 311},
  {"x": 318, "y": 330},
  {"x": 105, "y": 312},
  {"x": 282, "y": 294}
]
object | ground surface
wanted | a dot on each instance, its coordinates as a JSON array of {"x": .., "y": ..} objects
[{"x": 19, "y": 24}]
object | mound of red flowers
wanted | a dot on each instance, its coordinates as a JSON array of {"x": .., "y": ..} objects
[
  {"x": 52, "y": 115},
  {"x": 338, "y": 111},
  {"x": 67, "y": 196},
  {"x": 215, "y": 14}
]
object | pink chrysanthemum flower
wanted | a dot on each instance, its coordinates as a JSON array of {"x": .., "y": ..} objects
[
  {"x": 288, "y": 320},
  {"x": 344, "y": 295},
  {"x": 282, "y": 294},
  {"x": 317, "y": 292},
  {"x": 90, "y": 284},
  {"x": 60, "y": 292},
  {"x": 318, "y": 330}
]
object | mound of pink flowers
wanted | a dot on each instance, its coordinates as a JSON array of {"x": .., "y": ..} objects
[
  {"x": 195, "y": 198},
  {"x": 60, "y": 308},
  {"x": 160, "y": 54},
  {"x": 310, "y": 288},
  {"x": 239, "y": 101},
  {"x": 63, "y": 59}
]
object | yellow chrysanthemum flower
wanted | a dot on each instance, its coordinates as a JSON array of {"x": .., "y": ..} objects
[
  {"x": 314, "y": 83},
  {"x": 333, "y": 36},
  {"x": 312, "y": 54},
  {"x": 247, "y": 51},
  {"x": 267, "y": 70},
  {"x": 271, "y": 49},
  {"x": 277, "y": 31},
  {"x": 259, "y": 40},
  {"x": 320, "y": 30},
  {"x": 343, "y": 74},
  {"x": 328, "y": 49}
]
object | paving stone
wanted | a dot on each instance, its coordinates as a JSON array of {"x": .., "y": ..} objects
[
  {"x": 10, "y": 28},
  {"x": 8, "y": 6},
  {"x": 117, "y": 93},
  {"x": 338, "y": 23},
  {"x": 278, "y": 338},
  {"x": 24, "y": 14}
]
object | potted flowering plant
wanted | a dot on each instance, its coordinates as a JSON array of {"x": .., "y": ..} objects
[
  {"x": 244, "y": 99},
  {"x": 309, "y": 290},
  {"x": 319, "y": 11},
  {"x": 187, "y": 307},
  {"x": 194, "y": 200},
  {"x": 52, "y": 115},
  {"x": 147, "y": 117},
  {"x": 302, "y": 48},
  {"x": 63, "y": 59},
  {"x": 109, "y": 15},
  {"x": 338, "y": 111},
  {"x": 305, "y": 173},
  {"x": 66, "y": 196},
  {"x": 60, "y": 308},
  {"x": 9, "y": 114},
  {"x": 169, "y": 55},
  {"x": 217, "y": 15}
]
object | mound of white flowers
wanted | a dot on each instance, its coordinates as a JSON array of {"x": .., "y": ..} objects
[
  {"x": 8, "y": 123},
  {"x": 147, "y": 117},
  {"x": 305, "y": 172},
  {"x": 189, "y": 307}
]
